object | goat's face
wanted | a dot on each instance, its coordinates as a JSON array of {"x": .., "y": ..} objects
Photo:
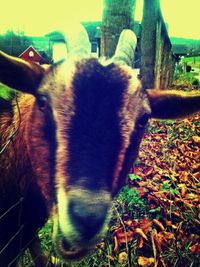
[
  {"x": 87, "y": 123},
  {"x": 98, "y": 113}
]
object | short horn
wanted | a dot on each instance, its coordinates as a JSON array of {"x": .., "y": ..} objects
[
  {"x": 126, "y": 48},
  {"x": 77, "y": 41}
]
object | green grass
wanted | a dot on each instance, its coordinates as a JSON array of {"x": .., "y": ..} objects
[
  {"x": 192, "y": 61},
  {"x": 187, "y": 81},
  {"x": 6, "y": 93}
]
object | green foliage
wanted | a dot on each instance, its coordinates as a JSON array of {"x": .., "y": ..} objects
[
  {"x": 158, "y": 209},
  {"x": 168, "y": 188},
  {"x": 6, "y": 93},
  {"x": 193, "y": 61},
  {"x": 187, "y": 81},
  {"x": 130, "y": 197},
  {"x": 134, "y": 177},
  {"x": 14, "y": 43},
  {"x": 196, "y": 83},
  {"x": 45, "y": 235}
]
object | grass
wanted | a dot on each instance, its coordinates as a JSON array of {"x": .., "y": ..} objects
[
  {"x": 187, "y": 81},
  {"x": 6, "y": 93},
  {"x": 194, "y": 62}
]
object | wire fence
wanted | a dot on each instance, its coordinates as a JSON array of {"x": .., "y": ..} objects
[
  {"x": 9, "y": 144},
  {"x": 18, "y": 205}
]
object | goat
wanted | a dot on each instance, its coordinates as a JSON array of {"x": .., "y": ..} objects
[{"x": 77, "y": 129}]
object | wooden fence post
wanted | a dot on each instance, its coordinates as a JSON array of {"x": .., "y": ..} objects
[
  {"x": 148, "y": 42},
  {"x": 157, "y": 62}
]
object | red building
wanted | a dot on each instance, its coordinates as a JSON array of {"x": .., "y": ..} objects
[{"x": 30, "y": 54}]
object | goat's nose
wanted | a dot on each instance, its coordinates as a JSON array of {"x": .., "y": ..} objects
[{"x": 88, "y": 212}]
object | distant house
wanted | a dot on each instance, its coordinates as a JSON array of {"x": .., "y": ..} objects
[
  {"x": 58, "y": 45},
  {"x": 31, "y": 54}
]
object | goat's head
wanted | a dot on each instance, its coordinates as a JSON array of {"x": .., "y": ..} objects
[{"x": 87, "y": 120}]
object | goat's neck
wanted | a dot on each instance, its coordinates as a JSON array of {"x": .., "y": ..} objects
[{"x": 14, "y": 140}]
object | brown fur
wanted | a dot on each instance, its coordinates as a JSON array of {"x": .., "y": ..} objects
[{"x": 17, "y": 182}]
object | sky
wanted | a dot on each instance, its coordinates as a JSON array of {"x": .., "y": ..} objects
[{"x": 39, "y": 17}]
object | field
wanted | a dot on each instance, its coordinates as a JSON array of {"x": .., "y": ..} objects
[{"x": 194, "y": 62}]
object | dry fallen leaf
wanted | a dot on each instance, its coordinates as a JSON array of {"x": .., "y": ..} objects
[
  {"x": 124, "y": 236},
  {"x": 141, "y": 233},
  {"x": 128, "y": 222},
  {"x": 116, "y": 245},
  {"x": 146, "y": 262},
  {"x": 159, "y": 224},
  {"x": 123, "y": 256},
  {"x": 160, "y": 241},
  {"x": 183, "y": 189},
  {"x": 141, "y": 242},
  {"x": 196, "y": 139},
  {"x": 161, "y": 262},
  {"x": 195, "y": 248},
  {"x": 145, "y": 225}
]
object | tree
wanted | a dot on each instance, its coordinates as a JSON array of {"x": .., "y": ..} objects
[
  {"x": 14, "y": 43},
  {"x": 117, "y": 15}
]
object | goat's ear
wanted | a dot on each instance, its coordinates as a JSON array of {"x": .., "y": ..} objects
[
  {"x": 171, "y": 104},
  {"x": 20, "y": 74}
]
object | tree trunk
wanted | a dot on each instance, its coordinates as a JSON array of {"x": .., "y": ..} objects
[{"x": 117, "y": 15}]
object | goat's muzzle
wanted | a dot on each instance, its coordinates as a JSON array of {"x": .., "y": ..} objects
[{"x": 81, "y": 221}]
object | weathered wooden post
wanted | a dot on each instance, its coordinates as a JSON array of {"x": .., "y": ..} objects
[
  {"x": 148, "y": 42},
  {"x": 157, "y": 61},
  {"x": 117, "y": 15}
]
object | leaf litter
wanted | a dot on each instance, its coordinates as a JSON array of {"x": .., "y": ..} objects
[{"x": 167, "y": 177}]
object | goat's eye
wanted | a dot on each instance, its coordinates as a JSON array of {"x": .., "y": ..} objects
[
  {"x": 142, "y": 121},
  {"x": 43, "y": 102}
]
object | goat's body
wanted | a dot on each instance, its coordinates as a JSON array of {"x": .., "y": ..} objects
[{"x": 22, "y": 209}]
